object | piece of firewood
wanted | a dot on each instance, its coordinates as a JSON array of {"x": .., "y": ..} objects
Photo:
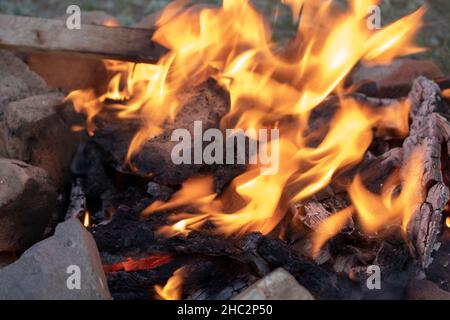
[
  {"x": 26, "y": 34},
  {"x": 77, "y": 207},
  {"x": 427, "y": 136},
  {"x": 314, "y": 212}
]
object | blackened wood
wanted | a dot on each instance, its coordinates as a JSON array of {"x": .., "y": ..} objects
[
  {"x": 427, "y": 137},
  {"x": 126, "y": 234},
  {"x": 206, "y": 103},
  {"x": 28, "y": 34},
  {"x": 313, "y": 212}
]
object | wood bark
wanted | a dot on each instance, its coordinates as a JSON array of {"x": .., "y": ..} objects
[
  {"x": 26, "y": 34},
  {"x": 427, "y": 137}
]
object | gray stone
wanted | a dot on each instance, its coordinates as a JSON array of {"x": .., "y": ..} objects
[
  {"x": 27, "y": 199},
  {"x": 17, "y": 81},
  {"x": 41, "y": 273},
  {"x": 6, "y": 258},
  {"x": 426, "y": 290},
  {"x": 32, "y": 130},
  {"x": 278, "y": 285}
]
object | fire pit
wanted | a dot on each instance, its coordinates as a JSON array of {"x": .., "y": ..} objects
[{"x": 222, "y": 164}]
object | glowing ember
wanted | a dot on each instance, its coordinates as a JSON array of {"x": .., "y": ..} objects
[
  {"x": 447, "y": 222},
  {"x": 131, "y": 264},
  {"x": 446, "y": 93},
  {"x": 267, "y": 86},
  {"x": 86, "y": 219},
  {"x": 173, "y": 288}
]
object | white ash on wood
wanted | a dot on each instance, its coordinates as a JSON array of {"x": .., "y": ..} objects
[{"x": 426, "y": 137}]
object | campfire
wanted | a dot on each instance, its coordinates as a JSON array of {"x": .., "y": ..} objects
[{"x": 234, "y": 160}]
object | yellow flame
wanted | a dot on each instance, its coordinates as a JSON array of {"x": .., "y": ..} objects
[
  {"x": 268, "y": 88},
  {"x": 329, "y": 228},
  {"x": 375, "y": 211},
  {"x": 86, "y": 219},
  {"x": 172, "y": 290}
]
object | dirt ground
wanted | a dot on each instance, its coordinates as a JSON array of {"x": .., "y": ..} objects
[{"x": 435, "y": 35}]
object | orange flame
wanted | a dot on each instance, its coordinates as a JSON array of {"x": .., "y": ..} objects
[
  {"x": 447, "y": 222},
  {"x": 86, "y": 219},
  {"x": 172, "y": 290},
  {"x": 131, "y": 264},
  {"x": 446, "y": 93},
  {"x": 401, "y": 196},
  {"x": 268, "y": 88},
  {"x": 376, "y": 211}
]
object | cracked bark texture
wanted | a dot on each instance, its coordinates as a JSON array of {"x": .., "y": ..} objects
[{"x": 427, "y": 137}]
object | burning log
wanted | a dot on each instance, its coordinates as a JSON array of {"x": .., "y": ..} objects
[
  {"x": 206, "y": 102},
  {"x": 262, "y": 253},
  {"x": 427, "y": 136},
  {"x": 313, "y": 212},
  {"x": 44, "y": 35}
]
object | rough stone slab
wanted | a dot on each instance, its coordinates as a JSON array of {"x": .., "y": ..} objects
[
  {"x": 425, "y": 290},
  {"x": 17, "y": 81},
  {"x": 41, "y": 272},
  {"x": 27, "y": 199},
  {"x": 32, "y": 130},
  {"x": 278, "y": 285}
]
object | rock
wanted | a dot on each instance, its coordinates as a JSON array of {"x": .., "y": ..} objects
[
  {"x": 72, "y": 73},
  {"x": 17, "y": 81},
  {"x": 34, "y": 130},
  {"x": 397, "y": 76},
  {"x": 27, "y": 199},
  {"x": 278, "y": 285},
  {"x": 6, "y": 258},
  {"x": 43, "y": 271},
  {"x": 426, "y": 290}
]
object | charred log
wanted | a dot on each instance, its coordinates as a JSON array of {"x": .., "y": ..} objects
[{"x": 427, "y": 137}]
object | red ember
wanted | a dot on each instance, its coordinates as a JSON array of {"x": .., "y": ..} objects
[{"x": 141, "y": 264}]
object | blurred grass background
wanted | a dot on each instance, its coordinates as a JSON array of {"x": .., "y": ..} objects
[{"x": 435, "y": 35}]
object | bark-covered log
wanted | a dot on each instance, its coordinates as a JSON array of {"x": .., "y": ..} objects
[
  {"x": 426, "y": 137},
  {"x": 29, "y": 34},
  {"x": 126, "y": 234}
]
